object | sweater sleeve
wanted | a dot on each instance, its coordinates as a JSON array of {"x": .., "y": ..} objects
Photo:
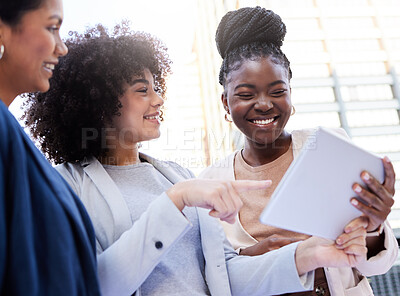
[{"x": 384, "y": 260}]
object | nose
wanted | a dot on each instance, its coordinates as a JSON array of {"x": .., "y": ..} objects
[
  {"x": 263, "y": 103},
  {"x": 61, "y": 49},
  {"x": 157, "y": 100}
]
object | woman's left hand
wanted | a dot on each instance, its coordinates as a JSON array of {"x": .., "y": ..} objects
[
  {"x": 348, "y": 251},
  {"x": 354, "y": 234},
  {"x": 376, "y": 200}
]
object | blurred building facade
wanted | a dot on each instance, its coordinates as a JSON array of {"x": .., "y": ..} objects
[{"x": 345, "y": 57}]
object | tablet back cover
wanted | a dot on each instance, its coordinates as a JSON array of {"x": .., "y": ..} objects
[{"x": 314, "y": 195}]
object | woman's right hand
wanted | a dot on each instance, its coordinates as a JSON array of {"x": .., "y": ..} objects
[
  {"x": 221, "y": 197},
  {"x": 350, "y": 249}
]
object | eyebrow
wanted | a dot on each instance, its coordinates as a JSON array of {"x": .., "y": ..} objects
[
  {"x": 145, "y": 81},
  {"x": 56, "y": 16},
  {"x": 253, "y": 87}
]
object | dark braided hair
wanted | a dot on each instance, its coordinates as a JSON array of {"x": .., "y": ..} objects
[
  {"x": 86, "y": 86},
  {"x": 247, "y": 34}
]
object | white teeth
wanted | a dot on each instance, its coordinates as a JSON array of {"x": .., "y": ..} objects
[
  {"x": 49, "y": 66},
  {"x": 152, "y": 117},
  {"x": 263, "y": 121}
]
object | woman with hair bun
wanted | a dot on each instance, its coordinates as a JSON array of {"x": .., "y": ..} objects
[
  {"x": 156, "y": 232},
  {"x": 47, "y": 242},
  {"x": 256, "y": 74}
]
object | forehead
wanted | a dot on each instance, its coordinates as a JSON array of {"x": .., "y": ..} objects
[
  {"x": 146, "y": 74},
  {"x": 259, "y": 70},
  {"x": 47, "y": 10},
  {"x": 52, "y": 5}
]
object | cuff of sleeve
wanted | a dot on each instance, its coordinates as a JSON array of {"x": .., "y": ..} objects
[
  {"x": 305, "y": 281},
  {"x": 383, "y": 261},
  {"x": 170, "y": 212},
  {"x": 377, "y": 232}
]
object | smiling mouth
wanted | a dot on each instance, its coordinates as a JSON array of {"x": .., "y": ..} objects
[
  {"x": 49, "y": 66},
  {"x": 153, "y": 117},
  {"x": 263, "y": 121}
]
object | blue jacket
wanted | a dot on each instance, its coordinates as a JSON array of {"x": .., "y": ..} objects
[{"x": 47, "y": 242}]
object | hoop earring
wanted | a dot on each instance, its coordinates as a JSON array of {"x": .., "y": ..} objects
[
  {"x": 1, "y": 51},
  {"x": 293, "y": 111},
  {"x": 228, "y": 117}
]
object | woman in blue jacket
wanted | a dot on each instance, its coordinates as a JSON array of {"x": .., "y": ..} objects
[{"x": 46, "y": 237}]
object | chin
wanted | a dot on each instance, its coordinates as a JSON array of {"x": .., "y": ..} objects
[
  {"x": 156, "y": 136},
  {"x": 42, "y": 87},
  {"x": 150, "y": 136}
]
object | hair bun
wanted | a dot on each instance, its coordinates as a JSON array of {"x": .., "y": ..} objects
[{"x": 247, "y": 25}]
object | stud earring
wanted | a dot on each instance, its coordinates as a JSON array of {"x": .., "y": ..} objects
[
  {"x": 293, "y": 111},
  {"x": 1, "y": 51}
]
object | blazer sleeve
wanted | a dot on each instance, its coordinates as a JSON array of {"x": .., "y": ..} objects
[
  {"x": 125, "y": 265},
  {"x": 383, "y": 261},
  {"x": 272, "y": 273},
  {"x": 3, "y": 199}
]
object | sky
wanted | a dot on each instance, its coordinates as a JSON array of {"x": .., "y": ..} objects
[{"x": 172, "y": 21}]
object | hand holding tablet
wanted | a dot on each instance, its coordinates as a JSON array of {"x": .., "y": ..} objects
[{"x": 314, "y": 195}]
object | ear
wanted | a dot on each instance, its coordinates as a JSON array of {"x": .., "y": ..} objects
[{"x": 225, "y": 102}]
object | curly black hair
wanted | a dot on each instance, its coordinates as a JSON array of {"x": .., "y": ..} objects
[
  {"x": 250, "y": 33},
  {"x": 86, "y": 86}
]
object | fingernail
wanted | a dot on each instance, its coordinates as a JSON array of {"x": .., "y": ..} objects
[
  {"x": 357, "y": 188},
  {"x": 366, "y": 176},
  {"x": 339, "y": 241},
  {"x": 386, "y": 159},
  {"x": 268, "y": 182},
  {"x": 354, "y": 202}
]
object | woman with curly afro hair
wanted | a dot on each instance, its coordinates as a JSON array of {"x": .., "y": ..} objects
[
  {"x": 70, "y": 120},
  {"x": 256, "y": 74},
  {"x": 154, "y": 224}
]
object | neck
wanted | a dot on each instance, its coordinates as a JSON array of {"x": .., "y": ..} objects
[
  {"x": 7, "y": 95},
  {"x": 119, "y": 156},
  {"x": 258, "y": 154}
]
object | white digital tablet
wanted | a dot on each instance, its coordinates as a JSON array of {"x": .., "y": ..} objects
[{"x": 314, "y": 195}]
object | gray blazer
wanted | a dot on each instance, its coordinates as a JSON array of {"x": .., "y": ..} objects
[{"x": 127, "y": 253}]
